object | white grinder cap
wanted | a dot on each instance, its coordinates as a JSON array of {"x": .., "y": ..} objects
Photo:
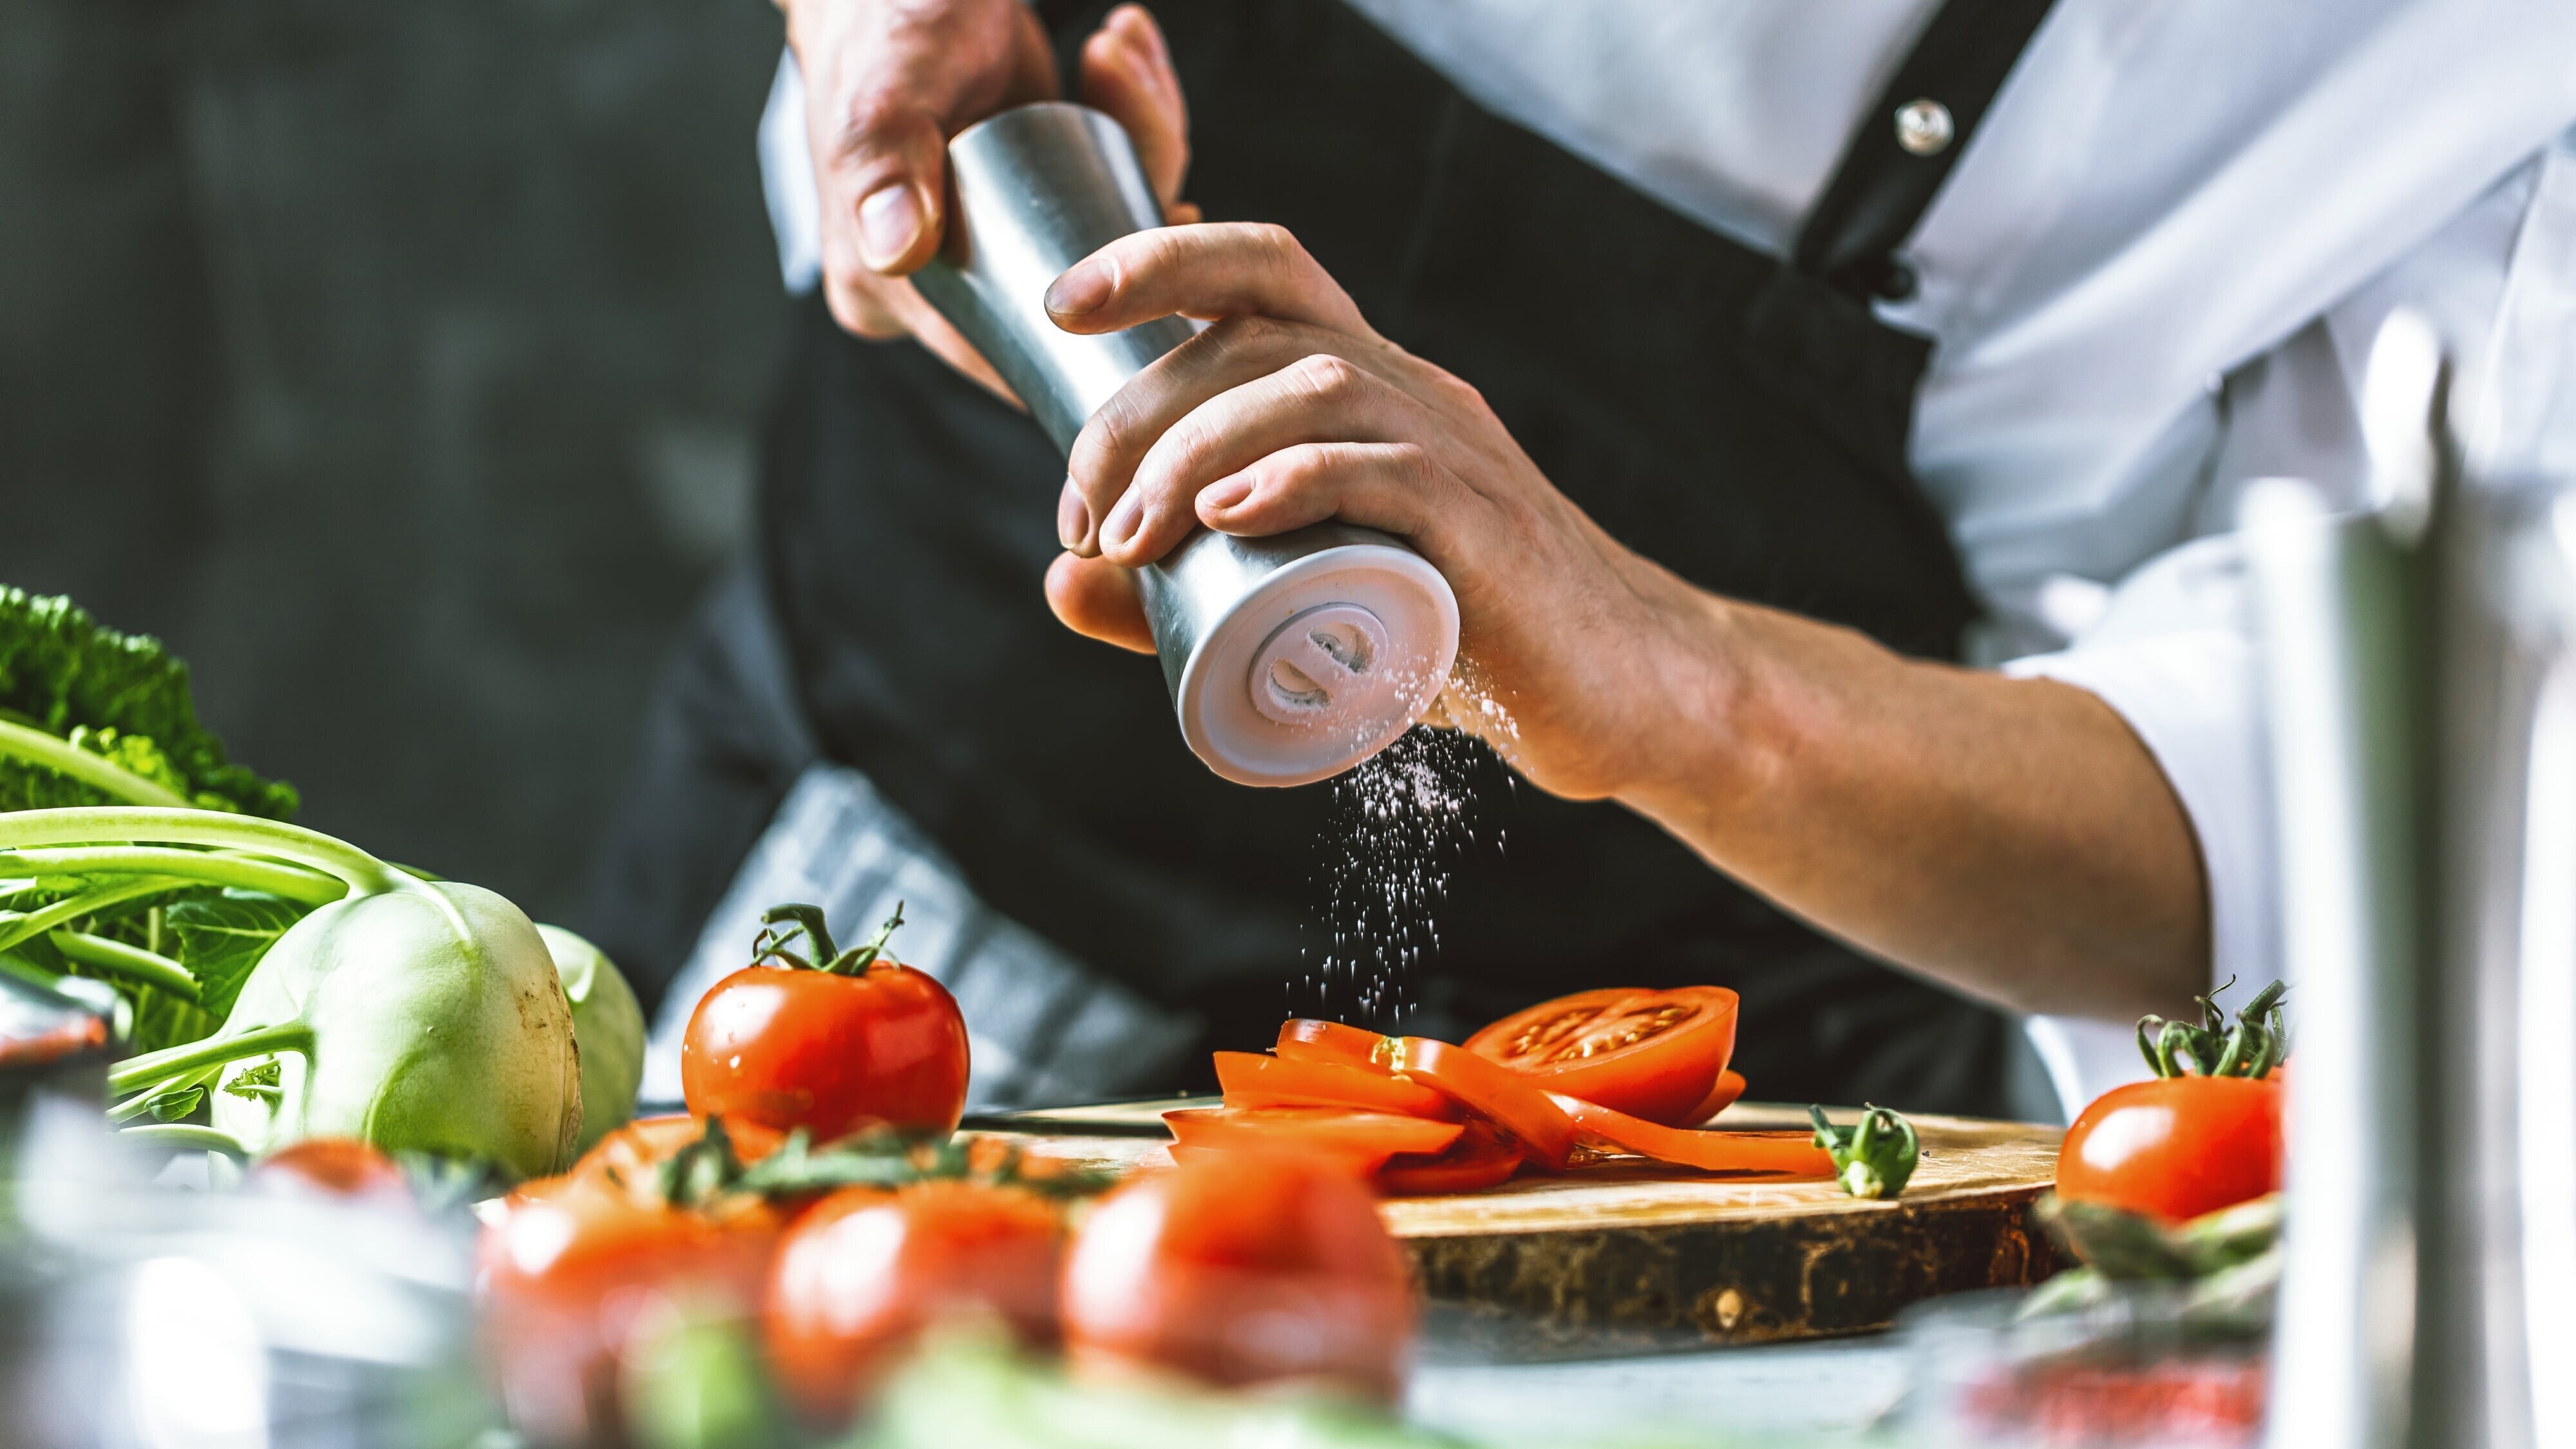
[{"x": 1322, "y": 665}]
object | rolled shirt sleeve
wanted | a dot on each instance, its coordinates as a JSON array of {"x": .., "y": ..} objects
[{"x": 2176, "y": 661}]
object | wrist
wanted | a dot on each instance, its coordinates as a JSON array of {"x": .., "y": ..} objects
[{"x": 1711, "y": 741}]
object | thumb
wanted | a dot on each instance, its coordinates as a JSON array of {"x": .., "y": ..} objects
[
  {"x": 1127, "y": 72},
  {"x": 885, "y": 186}
]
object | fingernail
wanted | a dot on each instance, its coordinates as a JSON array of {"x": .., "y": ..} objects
[
  {"x": 1072, "y": 517},
  {"x": 1225, "y": 493},
  {"x": 1080, "y": 290},
  {"x": 1122, "y": 519},
  {"x": 889, "y": 218}
]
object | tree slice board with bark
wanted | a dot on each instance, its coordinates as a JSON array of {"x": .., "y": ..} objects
[{"x": 1624, "y": 1254}]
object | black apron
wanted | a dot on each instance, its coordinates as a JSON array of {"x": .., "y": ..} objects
[{"x": 1740, "y": 419}]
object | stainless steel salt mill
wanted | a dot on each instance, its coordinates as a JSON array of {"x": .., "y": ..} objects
[
  {"x": 1290, "y": 658},
  {"x": 2421, "y": 668}
]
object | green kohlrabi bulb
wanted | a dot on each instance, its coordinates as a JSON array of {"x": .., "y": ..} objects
[
  {"x": 609, "y": 1027},
  {"x": 423, "y": 1018}
]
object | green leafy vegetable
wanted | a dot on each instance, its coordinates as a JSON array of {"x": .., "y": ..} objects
[
  {"x": 1875, "y": 1158},
  {"x": 176, "y": 1105},
  {"x": 261, "y": 1083},
  {"x": 91, "y": 716},
  {"x": 63, "y": 672},
  {"x": 222, "y": 935},
  {"x": 416, "y": 1015}
]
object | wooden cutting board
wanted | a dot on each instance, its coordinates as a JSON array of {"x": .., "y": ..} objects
[{"x": 1624, "y": 1254}]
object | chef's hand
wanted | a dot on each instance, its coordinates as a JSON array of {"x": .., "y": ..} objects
[
  {"x": 887, "y": 82},
  {"x": 1291, "y": 409},
  {"x": 2012, "y": 837}
]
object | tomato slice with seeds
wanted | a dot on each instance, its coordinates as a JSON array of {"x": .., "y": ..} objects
[
  {"x": 1777, "y": 1154},
  {"x": 1492, "y": 1091},
  {"x": 1480, "y": 1158},
  {"x": 1362, "y": 1140},
  {"x": 1250, "y": 1079},
  {"x": 1650, "y": 1054},
  {"x": 1307, "y": 1040}
]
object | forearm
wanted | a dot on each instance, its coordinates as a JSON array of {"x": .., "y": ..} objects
[{"x": 2013, "y": 838}]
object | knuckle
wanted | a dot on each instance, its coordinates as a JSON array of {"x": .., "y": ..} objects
[
  {"x": 1329, "y": 377},
  {"x": 1279, "y": 243}
]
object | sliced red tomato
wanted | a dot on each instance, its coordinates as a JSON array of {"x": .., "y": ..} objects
[
  {"x": 1720, "y": 1097},
  {"x": 1781, "y": 1154},
  {"x": 1252, "y": 1080},
  {"x": 1305, "y": 1039},
  {"x": 1492, "y": 1091},
  {"x": 1480, "y": 1158},
  {"x": 1650, "y": 1054},
  {"x": 1361, "y": 1140}
]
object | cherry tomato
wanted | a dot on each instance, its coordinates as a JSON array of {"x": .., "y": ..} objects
[
  {"x": 862, "y": 1273},
  {"x": 2175, "y": 1147},
  {"x": 332, "y": 1167},
  {"x": 1650, "y": 1054},
  {"x": 1480, "y": 1158},
  {"x": 1360, "y": 1140},
  {"x": 569, "y": 1266},
  {"x": 788, "y": 1048},
  {"x": 1253, "y": 1080},
  {"x": 1246, "y": 1269},
  {"x": 1768, "y": 1154},
  {"x": 628, "y": 1156}
]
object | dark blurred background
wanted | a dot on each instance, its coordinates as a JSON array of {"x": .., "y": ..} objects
[{"x": 400, "y": 363}]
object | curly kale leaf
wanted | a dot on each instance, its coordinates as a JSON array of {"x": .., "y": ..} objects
[{"x": 122, "y": 696}]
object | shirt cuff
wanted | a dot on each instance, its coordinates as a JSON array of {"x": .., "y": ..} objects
[{"x": 2193, "y": 699}]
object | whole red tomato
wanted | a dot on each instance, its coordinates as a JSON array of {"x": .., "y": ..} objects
[
  {"x": 332, "y": 1167},
  {"x": 852, "y": 1041},
  {"x": 570, "y": 1265},
  {"x": 2175, "y": 1147},
  {"x": 1240, "y": 1269},
  {"x": 866, "y": 1269}
]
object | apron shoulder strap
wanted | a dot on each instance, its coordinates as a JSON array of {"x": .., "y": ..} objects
[{"x": 1907, "y": 142}]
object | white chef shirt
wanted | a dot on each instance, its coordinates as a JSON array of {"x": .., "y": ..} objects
[{"x": 2150, "y": 278}]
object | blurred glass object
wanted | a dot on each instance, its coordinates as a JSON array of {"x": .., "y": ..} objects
[
  {"x": 196, "y": 1367},
  {"x": 2139, "y": 1368},
  {"x": 2421, "y": 666},
  {"x": 136, "y": 1315}
]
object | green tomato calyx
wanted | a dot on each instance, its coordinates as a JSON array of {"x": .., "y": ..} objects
[
  {"x": 771, "y": 946},
  {"x": 2258, "y": 1042}
]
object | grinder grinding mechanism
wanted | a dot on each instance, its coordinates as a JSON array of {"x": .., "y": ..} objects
[{"x": 1289, "y": 658}]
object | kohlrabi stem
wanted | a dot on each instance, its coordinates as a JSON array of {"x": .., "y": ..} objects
[
  {"x": 96, "y": 771},
  {"x": 294, "y": 882},
  {"x": 98, "y": 824},
  {"x": 179, "y": 1134},
  {"x": 16, "y": 928},
  {"x": 133, "y": 1106},
  {"x": 130, "y": 961},
  {"x": 214, "y": 1051}
]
